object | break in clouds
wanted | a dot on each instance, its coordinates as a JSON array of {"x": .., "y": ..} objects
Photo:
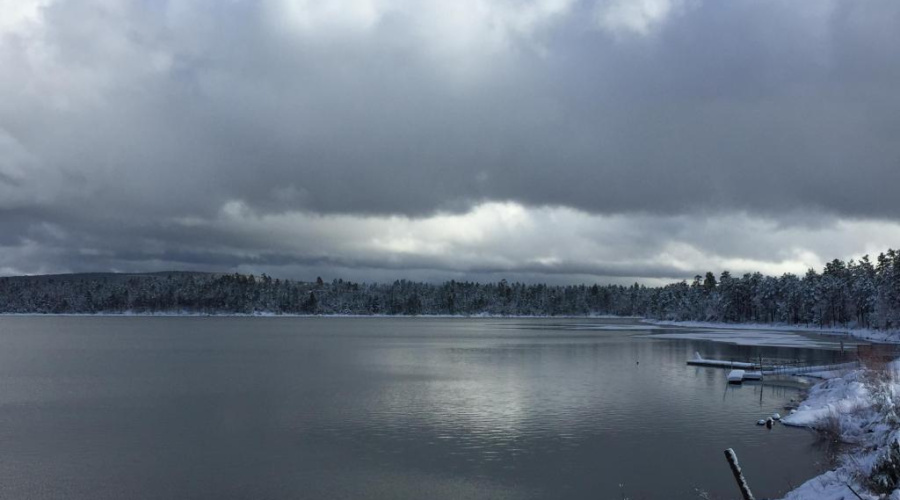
[{"x": 552, "y": 140}]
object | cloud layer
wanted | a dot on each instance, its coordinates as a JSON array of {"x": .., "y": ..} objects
[{"x": 576, "y": 140}]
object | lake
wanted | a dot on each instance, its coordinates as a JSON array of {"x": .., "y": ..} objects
[{"x": 382, "y": 408}]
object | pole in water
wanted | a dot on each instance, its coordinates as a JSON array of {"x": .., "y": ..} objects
[{"x": 738, "y": 475}]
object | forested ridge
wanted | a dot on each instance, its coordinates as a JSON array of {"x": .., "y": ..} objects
[{"x": 858, "y": 293}]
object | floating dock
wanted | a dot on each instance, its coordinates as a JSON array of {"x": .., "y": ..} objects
[
  {"x": 741, "y": 371},
  {"x": 718, "y": 363},
  {"x": 739, "y": 376},
  {"x": 735, "y": 376}
]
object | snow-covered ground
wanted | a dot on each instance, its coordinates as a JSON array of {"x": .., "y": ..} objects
[
  {"x": 859, "y": 333},
  {"x": 858, "y": 407}
]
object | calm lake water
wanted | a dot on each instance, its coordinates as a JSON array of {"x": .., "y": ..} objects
[{"x": 408, "y": 408}]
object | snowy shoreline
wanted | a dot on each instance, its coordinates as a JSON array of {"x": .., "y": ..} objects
[
  {"x": 258, "y": 314},
  {"x": 857, "y": 409}
]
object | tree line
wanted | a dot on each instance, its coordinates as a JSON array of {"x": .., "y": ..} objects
[{"x": 858, "y": 293}]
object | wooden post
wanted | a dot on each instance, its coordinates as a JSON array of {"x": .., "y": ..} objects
[{"x": 738, "y": 475}]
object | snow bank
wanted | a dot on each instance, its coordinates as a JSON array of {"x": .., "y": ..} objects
[
  {"x": 858, "y": 407},
  {"x": 828, "y": 486},
  {"x": 840, "y": 395}
]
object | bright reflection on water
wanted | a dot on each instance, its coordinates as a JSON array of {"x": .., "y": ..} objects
[{"x": 380, "y": 408}]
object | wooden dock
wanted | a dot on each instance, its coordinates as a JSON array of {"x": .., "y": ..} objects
[
  {"x": 747, "y": 370},
  {"x": 735, "y": 376},
  {"x": 741, "y": 376},
  {"x": 718, "y": 363}
]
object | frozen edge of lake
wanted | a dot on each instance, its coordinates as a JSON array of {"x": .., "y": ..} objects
[
  {"x": 751, "y": 338},
  {"x": 884, "y": 336}
]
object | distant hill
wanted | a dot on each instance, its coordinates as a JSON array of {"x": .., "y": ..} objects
[
  {"x": 214, "y": 293},
  {"x": 97, "y": 276},
  {"x": 173, "y": 291}
]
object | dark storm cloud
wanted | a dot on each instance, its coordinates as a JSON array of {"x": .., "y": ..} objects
[{"x": 120, "y": 119}]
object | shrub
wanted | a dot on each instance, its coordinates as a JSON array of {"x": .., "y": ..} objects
[
  {"x": 830, "y": 428},
  {"x": 885, "y": 475}
]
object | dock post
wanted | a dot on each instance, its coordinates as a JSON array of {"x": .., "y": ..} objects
[{"x": 738, "y": 475}]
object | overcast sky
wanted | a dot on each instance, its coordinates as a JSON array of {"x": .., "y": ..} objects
[{"x": 548, "y": 140}]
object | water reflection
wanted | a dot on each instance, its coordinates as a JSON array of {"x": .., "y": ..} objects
[{"x": 380, "y": 408}]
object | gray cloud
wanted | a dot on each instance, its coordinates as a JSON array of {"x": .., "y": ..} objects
[{"x": 122, "y": 120}]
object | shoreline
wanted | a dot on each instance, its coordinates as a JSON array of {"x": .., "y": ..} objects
[
  {"x": 852, "y": 409},
  {"x": 868, "y": 334},
  {"x": 190, "y": 314},
  {"x": 848, "y": 409}
]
